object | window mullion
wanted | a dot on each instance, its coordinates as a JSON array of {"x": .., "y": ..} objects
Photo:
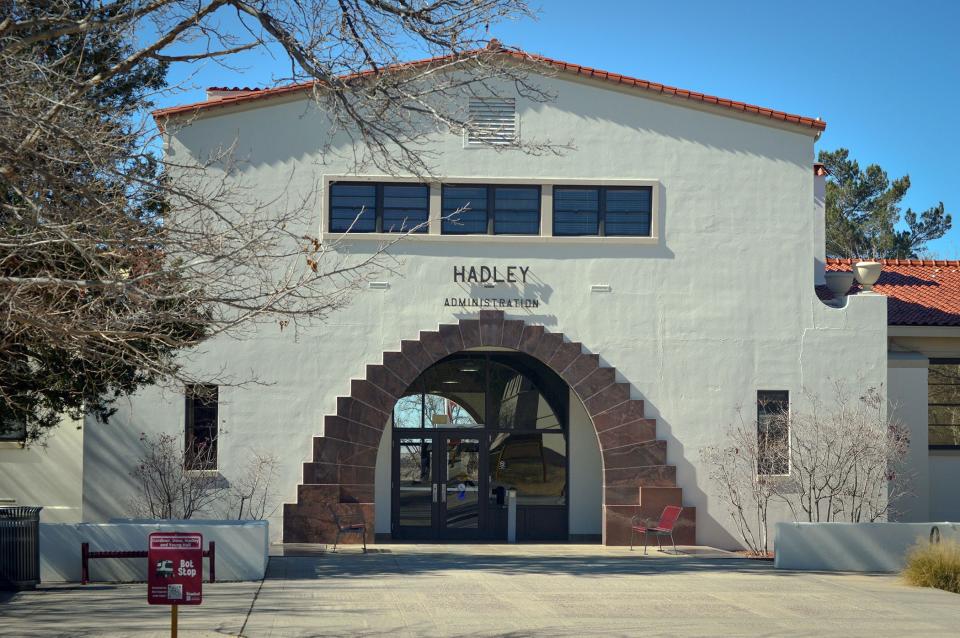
[
  {"x": 491, "y": 210},
  {"x": 378, "y": 225},
  {"x": 602, "y": 212}
]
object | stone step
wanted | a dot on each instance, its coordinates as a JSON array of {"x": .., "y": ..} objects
[
  {"x": 633, "y": 432},
  {"x": 353, "y": 410},
  {"x": 336, "y": 473},
  {"x": 327, "y": 450},
  {"x": 640, "y": 454},
  {"x": 337, "y": 427},
  {"x": 626, "y": 412},
  {"x": 301, "y": 525},
  {"x": 648, "y": 476},
  {"x": 618, "y": 520}
]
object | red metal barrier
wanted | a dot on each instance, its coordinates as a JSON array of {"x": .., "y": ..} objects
[{"x": 86, "y": 555}]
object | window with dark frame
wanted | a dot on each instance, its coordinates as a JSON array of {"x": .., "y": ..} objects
[
  {"x": 374, "y": 207},
  {"x": 773, "y": 432},
  {"x": 202, "y": 402},
  {"x": 486, "y": 209},
  {"x": 611, "y": 211},
  {"x": 943, "y": 404},
  {"x": 12, "y": 430}
]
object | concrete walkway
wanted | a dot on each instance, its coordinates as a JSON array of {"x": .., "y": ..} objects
[{"x": 518, "y": 590}]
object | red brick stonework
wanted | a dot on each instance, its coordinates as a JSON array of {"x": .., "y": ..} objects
[{"x": 637, "y": 480}]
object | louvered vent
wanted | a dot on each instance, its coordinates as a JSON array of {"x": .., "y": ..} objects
[{"x": 493, "y": 121}]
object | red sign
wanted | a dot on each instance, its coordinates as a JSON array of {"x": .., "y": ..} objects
[{"x": 175, "y": 568}]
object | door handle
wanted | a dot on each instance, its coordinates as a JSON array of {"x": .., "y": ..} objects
[
  {"x": 434, "y": 492},
  {"x": 443, "y": 494}
]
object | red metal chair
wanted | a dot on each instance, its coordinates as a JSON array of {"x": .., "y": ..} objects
[{"x": 668, "y": 519}]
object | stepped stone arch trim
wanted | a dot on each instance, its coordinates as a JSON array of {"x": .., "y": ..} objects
[{"x": 636, "y": 477}]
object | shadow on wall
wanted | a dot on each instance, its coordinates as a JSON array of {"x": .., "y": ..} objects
[
  {"x": 693, "y": 496},
  {"x": 595, "y": 111},
  {"x": 109, "y": 453}
]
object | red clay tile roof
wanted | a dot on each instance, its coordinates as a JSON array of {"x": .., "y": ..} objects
[
  {"x": 661, "y": 89},
  {"x": 921, "y": 292}
]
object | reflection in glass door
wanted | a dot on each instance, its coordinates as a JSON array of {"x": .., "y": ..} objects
[
  {"x": 460, "y": 498},
  {"x": 416, "y": 489}
]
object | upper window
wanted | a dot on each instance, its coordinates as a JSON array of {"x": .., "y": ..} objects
[
  {"x": 773, "y": 433},
  {"x": 493, "y": 121},
  {"x": 202, "y": 403},
  {"x": 943, "y": 404},
  {"x": 483, "y": 209},
  {"x": 379, "y": 207},
  {"x": 607, "y": 211}
]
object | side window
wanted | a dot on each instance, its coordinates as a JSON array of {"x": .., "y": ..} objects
[
  {"x": 606, "y": 211},
  {"x": 773, "y": 433},
  {"x": 12, "y": 430},
  {"x": 202, "y": 402},
  {"x": 943, "y": 404}
]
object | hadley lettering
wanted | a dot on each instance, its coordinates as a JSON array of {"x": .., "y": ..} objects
[{"x": 490, "y": 274}]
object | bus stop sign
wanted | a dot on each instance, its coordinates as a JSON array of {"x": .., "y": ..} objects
[{"x": 175, "y": 568}]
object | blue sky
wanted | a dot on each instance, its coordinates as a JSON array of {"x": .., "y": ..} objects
[{"x": 885, "y": 75}]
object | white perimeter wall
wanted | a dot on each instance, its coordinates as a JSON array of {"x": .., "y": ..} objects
[
  {"x": 720, "y": 306},
  {"x": 854, "y": 547}
]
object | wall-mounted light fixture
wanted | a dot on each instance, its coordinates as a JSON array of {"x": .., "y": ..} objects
[
  {"x": 378, "y": 285},
  {"x": 601, "y": 288}
]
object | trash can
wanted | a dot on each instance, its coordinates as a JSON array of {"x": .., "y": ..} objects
[{"x": 19, "y": 547}]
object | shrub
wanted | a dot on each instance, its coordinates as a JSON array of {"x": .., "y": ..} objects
[{"x": 934, "y": 565}]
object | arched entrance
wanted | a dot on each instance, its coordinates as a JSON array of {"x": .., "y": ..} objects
[
  {"x": 636, "y": 478},
  {"x": 470, "y": 427}
]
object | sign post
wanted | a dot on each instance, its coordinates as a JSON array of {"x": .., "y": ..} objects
[{"x": 175, "y": 571}]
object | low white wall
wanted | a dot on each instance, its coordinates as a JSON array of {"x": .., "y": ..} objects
[
  {"x": 852, "y": 547},
  {"x": 242, "y": 548}
]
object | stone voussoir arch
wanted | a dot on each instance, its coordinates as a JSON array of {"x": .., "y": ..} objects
[{"x": 636, "y": 477}]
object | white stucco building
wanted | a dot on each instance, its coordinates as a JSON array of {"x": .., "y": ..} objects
[{"x": 591, "y": 322}]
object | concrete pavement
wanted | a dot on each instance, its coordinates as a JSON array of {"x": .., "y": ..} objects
[{"x": 515, "y": 590}]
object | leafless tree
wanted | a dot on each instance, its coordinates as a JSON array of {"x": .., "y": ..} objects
[
  {"x": 836, "y": 459},
  {"x": 740, "y": 473},
  {"x": 181, "y": 481},
  {"x": 848, "y": 457},
  {"x": 174, "y": 482},
  {"x": 114, "y": 260},
  {"x": 250, "y": 494}
]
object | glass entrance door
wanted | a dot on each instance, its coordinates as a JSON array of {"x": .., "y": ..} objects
[
  {"x": 415, "y": 488},
  {"x": 438, "y": 483},
  {"x": 460, "y": 486}
]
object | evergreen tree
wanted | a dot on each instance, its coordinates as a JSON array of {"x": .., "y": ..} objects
[{"x": 863, "y": 209}]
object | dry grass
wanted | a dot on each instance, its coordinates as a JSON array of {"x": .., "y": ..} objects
[{"x": 934, "y": 565}]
